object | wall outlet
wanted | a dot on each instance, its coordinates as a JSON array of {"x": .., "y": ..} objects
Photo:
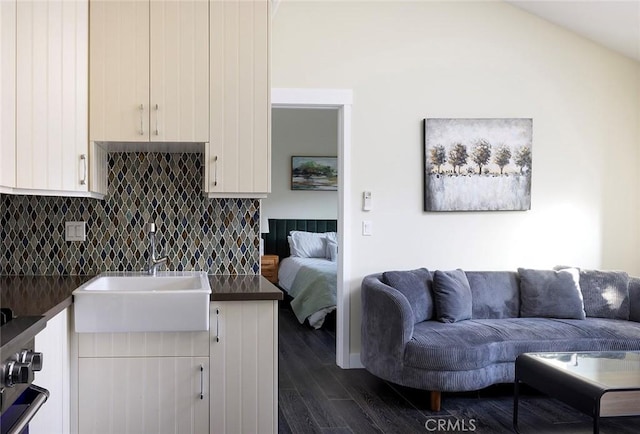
[{"x": 75, "y": 231}]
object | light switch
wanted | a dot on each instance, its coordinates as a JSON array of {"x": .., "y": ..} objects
[
  {"x": 367, "y": 228},
  {"x": 75, "y": 231}
]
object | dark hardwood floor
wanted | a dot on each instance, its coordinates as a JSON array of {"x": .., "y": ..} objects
[{"x": 315, "y": 396}]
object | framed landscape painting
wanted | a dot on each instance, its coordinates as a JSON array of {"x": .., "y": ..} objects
[
  {"x": 314, "y": 173},
  {"x": 477, "y": 164}
]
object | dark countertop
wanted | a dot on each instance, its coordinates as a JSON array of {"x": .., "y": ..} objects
[
  {"x": 34, "y": 300},
  {"x": 37, "y": 299},
  {"x": 38, "y": 295},
  {"x": 242, "y": 287}
]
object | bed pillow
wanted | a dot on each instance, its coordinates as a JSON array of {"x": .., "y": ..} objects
[
  {"x": 551, "y": 294},
  {"x": 415, "y": 285},
  {"x": 332, "y": 250},
  {"x": 308, "y": 244},
  {"x": 452, "y": 295},
  {"x": 332, "y": 245}
]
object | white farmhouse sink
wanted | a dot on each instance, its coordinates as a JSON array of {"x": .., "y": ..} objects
[{"x": 136, "y": 302}]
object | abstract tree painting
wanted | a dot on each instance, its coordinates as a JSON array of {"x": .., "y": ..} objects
[{"x": 477, "y": 164}]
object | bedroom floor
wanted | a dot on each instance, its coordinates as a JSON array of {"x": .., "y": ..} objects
[{"x": 315, "y": 396}]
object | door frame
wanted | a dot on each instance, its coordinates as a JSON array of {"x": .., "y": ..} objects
[{"x": 342, "y": 101}]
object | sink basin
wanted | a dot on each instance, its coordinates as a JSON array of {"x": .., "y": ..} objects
[{"x": 136, "y": 302}]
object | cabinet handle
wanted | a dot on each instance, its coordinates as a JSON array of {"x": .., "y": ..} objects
[
  {"x": 217, "y": 325},
  {"x": 215, "y": 170},
  {"x": 142, "y": 119},
  {"x": 201, "y": 382},
  {"x": 83, "y": 181},
  {"x": 157, "y": 114}
]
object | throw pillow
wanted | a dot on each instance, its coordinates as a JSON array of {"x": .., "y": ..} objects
[
  {"x": 551, "y": 294},
  {"x": 415, "y": 285},
  {"x": 452, "y": 295},
  {"x": 605, "y": 293}
]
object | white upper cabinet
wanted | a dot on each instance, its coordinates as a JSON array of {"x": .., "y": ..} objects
[
  {"x": 119, "y": 70},
  {"x": 149, "y": 71},
  {"x": 179, "y": 71},
  {"x": 7, "y": 94},
  {"x": 238, "y": 157},
  {"x": 51, "y": 152}
]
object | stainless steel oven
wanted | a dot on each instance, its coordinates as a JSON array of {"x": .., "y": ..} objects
[{"x": 20, "y": 400}]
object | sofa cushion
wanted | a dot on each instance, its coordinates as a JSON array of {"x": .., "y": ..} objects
[
  {"x": 494, "y": 294},
  {"x": 452, "y": 296},
  {"x": 475, "y": 344},
  {"x": 415, "y": 285},
  {"x": 550, "y": 294}
]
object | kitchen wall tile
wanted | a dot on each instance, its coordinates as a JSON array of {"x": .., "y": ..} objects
[{"x": 220, "y": 236}]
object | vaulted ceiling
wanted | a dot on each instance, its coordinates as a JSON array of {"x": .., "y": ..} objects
[{"x": 614, "y": 24}]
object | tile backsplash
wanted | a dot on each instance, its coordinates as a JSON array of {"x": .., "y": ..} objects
[{"x": 220, "y": 236}]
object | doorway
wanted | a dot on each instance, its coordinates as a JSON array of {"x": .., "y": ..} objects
[{"x": 340, "y": 100}]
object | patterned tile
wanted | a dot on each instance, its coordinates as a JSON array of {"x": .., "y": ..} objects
[{"x": 220, "y": 236}]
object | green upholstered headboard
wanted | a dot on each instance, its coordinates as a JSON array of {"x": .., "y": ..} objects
[{"x": 275, "y": 241}]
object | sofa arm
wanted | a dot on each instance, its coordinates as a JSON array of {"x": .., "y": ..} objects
[
  {"x": 634, "y": 299},
  {"x": 387, "y": 326}
]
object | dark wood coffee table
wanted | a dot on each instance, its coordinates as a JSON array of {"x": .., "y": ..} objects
[{"x": 599, "y": 383}]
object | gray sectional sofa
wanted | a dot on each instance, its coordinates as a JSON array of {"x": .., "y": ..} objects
[{"x": 453, "y": 331}]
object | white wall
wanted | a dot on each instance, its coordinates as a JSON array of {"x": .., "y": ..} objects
[
  {"x": 409, "y": 60},
  {"x": 300, "y": 132}
]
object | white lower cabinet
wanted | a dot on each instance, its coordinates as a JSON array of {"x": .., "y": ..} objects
[
  {"x": 221, "y": 381},
  {"x": 139, "y": 383},
  {"x": 144, "y": 395},
  {"x": 54, "y": 343},
  {"x": 244, "y": 367}
]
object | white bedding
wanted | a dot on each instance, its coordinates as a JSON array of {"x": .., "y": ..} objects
[
  {"x": 311, "y": 282},
  {"x": 289, "y": 268}
]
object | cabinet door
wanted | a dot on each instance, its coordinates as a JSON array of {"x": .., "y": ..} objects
[
  {"x": 54, "y": 343},
  {"x": 244, "y": 367},
  {"x": 119, "y": 70},
  {"x": 8, "y": 93},
  {"x": 179, "y": 73},
  {"x": 51, "y": 102},
  {"x": 151, "y": 395},
  {"x": 239, "y": 153}
]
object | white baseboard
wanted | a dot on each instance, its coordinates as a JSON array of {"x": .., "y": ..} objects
[{"x": 354, "y": 361}]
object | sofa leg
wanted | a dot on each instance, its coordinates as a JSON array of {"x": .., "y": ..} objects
[{"x": 435, "y": 400}]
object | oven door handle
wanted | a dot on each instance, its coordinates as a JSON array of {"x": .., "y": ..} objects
[{"x": 41, "y": 396}]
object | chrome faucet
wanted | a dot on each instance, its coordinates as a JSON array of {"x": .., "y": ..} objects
[{"x": 154, "y": 262}]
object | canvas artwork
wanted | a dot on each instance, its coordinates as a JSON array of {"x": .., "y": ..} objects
[
  {"x": 477, "y": 164},
  {"x": 314, "y": 173}
]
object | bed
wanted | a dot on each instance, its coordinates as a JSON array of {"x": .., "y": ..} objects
[{"x": 310, "y": 282}]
